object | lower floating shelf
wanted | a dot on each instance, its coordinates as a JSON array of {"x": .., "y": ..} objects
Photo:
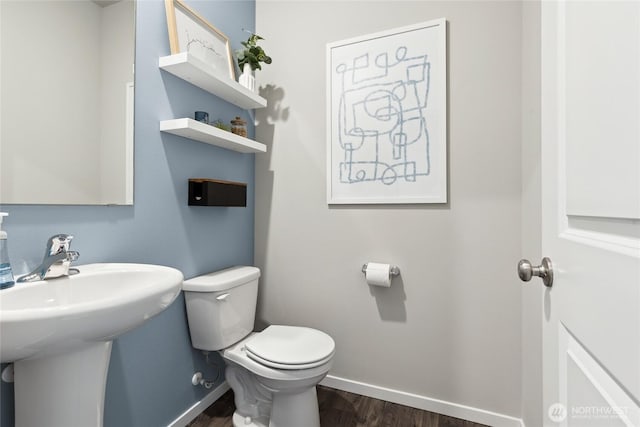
[{"x": 192, "y": 129}]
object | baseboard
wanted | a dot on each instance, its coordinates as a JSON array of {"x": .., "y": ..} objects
[
  {"x": 396, "y": 396},
  {"x": 197, "y": 408},
  {"x": 422, "y": 402}
]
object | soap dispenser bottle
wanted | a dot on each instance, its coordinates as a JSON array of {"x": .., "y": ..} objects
[{"x": 6, "y": 275}]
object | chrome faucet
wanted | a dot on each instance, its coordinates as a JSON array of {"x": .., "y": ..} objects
[{"x": 56, "y": 262}]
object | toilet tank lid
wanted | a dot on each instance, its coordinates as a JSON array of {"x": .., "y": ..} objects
[{"x": 221, "y": 280}]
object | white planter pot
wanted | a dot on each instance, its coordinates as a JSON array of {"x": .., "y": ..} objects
[{"x": 247, "y": 79}]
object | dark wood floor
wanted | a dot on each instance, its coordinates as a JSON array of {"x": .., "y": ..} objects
[{"x": 342, "y": 409}]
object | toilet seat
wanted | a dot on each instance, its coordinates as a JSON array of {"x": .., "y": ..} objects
[
  {"x": 290, "y": 347},
  {"x": 238, "y": 354},
  {"x": 277, "y": 365}
]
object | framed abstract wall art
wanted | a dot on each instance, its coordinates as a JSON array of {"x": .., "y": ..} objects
[{"x": 387, "y": 117}]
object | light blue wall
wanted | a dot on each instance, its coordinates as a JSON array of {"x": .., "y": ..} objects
[{"x": 149, "y": 381}]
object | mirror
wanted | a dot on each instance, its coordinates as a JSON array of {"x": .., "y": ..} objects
[{"x": 66, "y": 107}]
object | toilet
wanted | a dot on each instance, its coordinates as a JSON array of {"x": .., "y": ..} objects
[{"x": 273, "y": 373}]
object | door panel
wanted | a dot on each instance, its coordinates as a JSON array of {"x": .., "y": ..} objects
[
  {"x": 587, "y": 391},
  {"x": 591, "y": 205},
  {"x": 601, "y": 67}
]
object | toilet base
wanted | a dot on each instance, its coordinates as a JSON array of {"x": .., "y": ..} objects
[
  {"x": 298, "y": 409},
  {"x": 240, "y": 421},
  {"x": 264, "y": 402},
  {"x": 287, "y": 410}
]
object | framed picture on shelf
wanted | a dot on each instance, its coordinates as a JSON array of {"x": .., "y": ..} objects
[{"x": 190, "y": 32}]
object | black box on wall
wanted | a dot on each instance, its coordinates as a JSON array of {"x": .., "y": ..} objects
[{"x": 213, "y": 192}]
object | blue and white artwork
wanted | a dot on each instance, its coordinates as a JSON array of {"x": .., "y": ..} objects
[{"x": 387, "y": 117}]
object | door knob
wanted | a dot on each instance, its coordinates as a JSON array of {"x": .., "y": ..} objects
[{"x": 545, "y": 271}]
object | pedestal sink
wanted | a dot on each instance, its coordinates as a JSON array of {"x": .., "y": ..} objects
[{"x": 59, "y": 332}]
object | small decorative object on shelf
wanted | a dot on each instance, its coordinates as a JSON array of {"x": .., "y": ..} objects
[
  {"x": 247, "y": 79},
  {"x": 221, "y": 125},
  {"x": 202, "y": 116},
  {"x": 249, "y": 60},
  {"x": 239, "y": 127}
]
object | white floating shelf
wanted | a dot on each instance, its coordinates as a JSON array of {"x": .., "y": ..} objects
[
  {"x": 192, "y": 129},
  {"x": 200, "y": 74}
]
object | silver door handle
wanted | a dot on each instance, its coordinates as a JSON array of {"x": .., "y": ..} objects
[{"x": 545, "y": 271}]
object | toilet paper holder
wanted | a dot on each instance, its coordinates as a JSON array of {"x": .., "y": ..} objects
[{"x": 393, "y": 272}]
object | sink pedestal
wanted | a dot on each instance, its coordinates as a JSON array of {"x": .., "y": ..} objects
[{"x": 63, "y": 390}]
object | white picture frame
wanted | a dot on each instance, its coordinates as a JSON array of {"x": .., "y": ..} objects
[
  {"x": 387, "y": 117},
  {"x": 190, "y": 32}
]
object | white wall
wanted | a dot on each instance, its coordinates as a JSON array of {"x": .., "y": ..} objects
[{"x": 449, "y": 328}]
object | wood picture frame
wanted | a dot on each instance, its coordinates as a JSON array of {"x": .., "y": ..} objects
[{"x": 190, "y": 32}]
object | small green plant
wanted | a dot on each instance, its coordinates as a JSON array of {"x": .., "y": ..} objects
[
  {"x": 221, "y": 125},
  {"x": 252, "y": 54}
]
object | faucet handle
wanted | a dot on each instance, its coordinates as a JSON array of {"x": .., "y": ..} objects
[
  {"x": 73, "y": 256},
  {"x": 58, "y": 243}
]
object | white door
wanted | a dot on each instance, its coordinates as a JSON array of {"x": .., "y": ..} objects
[{"x": 591, "y": 212}]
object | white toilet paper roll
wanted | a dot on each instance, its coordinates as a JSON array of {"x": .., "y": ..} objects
[{"x": 378, "y": 274}]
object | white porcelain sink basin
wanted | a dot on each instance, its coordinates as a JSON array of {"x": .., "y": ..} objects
[
  {"x": 59, "y": 332},
  {"x": 98, "y": 304}
]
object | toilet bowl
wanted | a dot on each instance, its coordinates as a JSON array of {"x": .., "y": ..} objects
[
  {"x": 287, "y": 389},
  {"x": 273, "y": 373}
]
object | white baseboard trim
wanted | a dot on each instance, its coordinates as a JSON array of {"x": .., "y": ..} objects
[
  {"x": 197, "y": 408},
  {"x": 422, "y": 402}
]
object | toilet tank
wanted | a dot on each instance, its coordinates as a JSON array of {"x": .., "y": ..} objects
[{"x": 221, "y": 306}]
